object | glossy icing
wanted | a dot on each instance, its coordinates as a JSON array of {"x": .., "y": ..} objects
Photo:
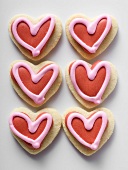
[
  {"x": 38, "y": 99},
  {"x": 91, "y": 75},
  {"x": 91, "y": 28},
  {"x": 35, "y": 88},
  {"x": 87, "y": 86},
  {"x": 32, "y": 127},
  {"x": 34, "y": 30},
  {"x": 88, "y": 124}
]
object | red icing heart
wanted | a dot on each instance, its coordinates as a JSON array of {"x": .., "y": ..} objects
[
  {"x": 87, "y": 135},
  {"x": 21, "y": 126},
  {"x": 35, "y": 88},
  {"x": 24, "y": 33},
  {"x": 90, "y": 39},
  {"x": 87, "y": 86}
]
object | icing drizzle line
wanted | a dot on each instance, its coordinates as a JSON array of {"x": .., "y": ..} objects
[
  {"x": 34, "y": 30},
  {"x": 91, "y": 75},
  {"x": 88, "y": 124},
  {"x": 38, "y": 99},
  {"x": 32, "y": 127},
  {"x": 91, "y": 28}
]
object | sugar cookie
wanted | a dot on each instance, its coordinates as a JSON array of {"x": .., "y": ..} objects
[
  {"x": 90, "y": 37},
  {"x": 35, "y": 84},
  {"x": 35, "y": 38},
  {"x": 88, "y": 131},
  {"x": 34, "y": 131},
  {"x": 91, "y": 84}
]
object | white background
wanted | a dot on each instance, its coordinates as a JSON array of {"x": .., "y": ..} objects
[{"x": 61, "y": 154}]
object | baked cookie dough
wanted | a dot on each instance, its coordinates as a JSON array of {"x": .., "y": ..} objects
[
  {"x": 35, "y": 38},
  {"x": 88, "y": 131},
  {"x": 90, "y": 37},
  {"x": 91, "y": 84},
  {"x": 35, "y": 131},
  {"x": 35, "y": 84}
]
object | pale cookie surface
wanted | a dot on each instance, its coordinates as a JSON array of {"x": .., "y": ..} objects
[
  {"x": 90, "y": 37},
  {"x": 88, "y": 131},
  {"x": 35, "y": 38},
  {"x": 91, "y": 84},
  {"x": 34, "y": 131},
  {"x": 35, "y": 84}
]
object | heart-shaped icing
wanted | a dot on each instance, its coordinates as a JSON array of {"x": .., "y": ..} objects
[
  {"x": 33, "y": 127},
  {"x": 91, "y": 84},
  {"x": 35, "y": 85},
  {"x": 85, "y": 84},
  {"x": 35, "y": 38},
  {"x": 91, "y": 30},
  {"x": 34, "y": 131},
  {"x": 88, "y": 125},
  {"x": 34, "y": 29},
  {"x": 88, "y": 131},
  {"x": 89, "y": 40},
  {"x": 26, "y": 79},
  {"x": 90, "y": 37},
  {"x": 91, "y": 75}
]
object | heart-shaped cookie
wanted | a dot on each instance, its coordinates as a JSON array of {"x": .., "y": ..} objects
[
  {"x": 35, "y": 84},
  {"x": 90, "y": 37},
  {"x": 35, "y": 131},
  {"x": 35, "y": 38},
  {"x": 91, "y": 85},
  {"x": 88, "y": 131}
]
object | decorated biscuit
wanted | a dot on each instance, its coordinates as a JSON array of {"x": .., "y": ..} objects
[
  {"x": 34, "y": 131},
  {"x": 88, "y": 131},
  {"x": 91, "y": 84},
  {"x": 35, "y": 84},
  {"x": 35, "y": 38},
  {"x": 90, "y": 37}
]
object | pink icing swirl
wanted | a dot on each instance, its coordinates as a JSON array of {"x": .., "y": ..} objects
[
  {"x": 91, "y": 28},
  {"x": 88, "y": 124},
  {"x": 91, "y": 75},
  {"x": 38, "y": 99},
  {"x": 32, "y": 127},
  {"x": 34, "y": 30}
]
